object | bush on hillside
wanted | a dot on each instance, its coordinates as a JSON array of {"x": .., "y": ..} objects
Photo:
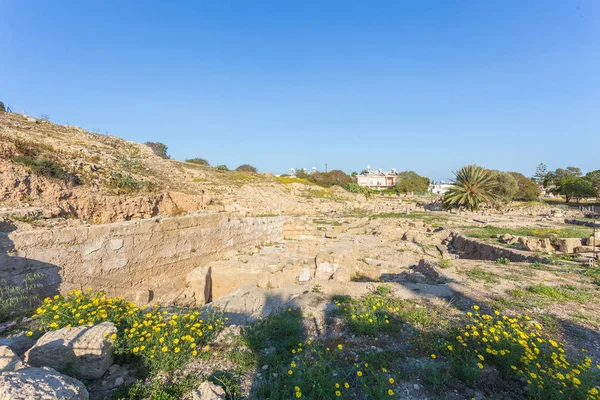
[
  {"x": 333, "y": 178},
  {"x": 158, "y": 148},
  {"x": 43, "y": 167},
  {"x": 504, "y": 186},
  {"x": 411, "y": 182},
  {"x": 199, "y": 161},
  {"x": 527, "y": 189},
  {"x": 246, "y": 168},
  {"x": 222, "y": 167},
  {"x": 2, "y": 107}
]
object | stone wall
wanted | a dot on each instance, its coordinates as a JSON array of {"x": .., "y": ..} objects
[
  {"x": 477, "y": 250},
  {"x": 142, "y": 260}
]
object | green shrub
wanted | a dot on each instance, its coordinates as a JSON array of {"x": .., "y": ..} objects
[
  {"x": 158, "y": 148},
  {"x": 19, "y": 300},
  {"x": 43, "y": 167},
  {"x": 502, "y": 260},
  {"x": 171, "y": 388},
  {"x": 355, "y": 188},
  {"x": 199, "y": 161},
  {"x": 127, "y": 184},
  {"x": 333, "y": 178},
  {"x": 222, "y": 167},
  {"x": 410, "y": 181},
  {"x": 246, "y": 168}
]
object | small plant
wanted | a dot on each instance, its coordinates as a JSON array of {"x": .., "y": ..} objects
[
  {"x": 171, "y": 388},
  {"x": 45, "y": 117},
  {"x": 19, "y": 300},
  {"x": 246, "y": 168},
  {"x": 43, "y": 167},
  {"x": 383, "y": 290},
  {"x": 199, "y": 161},
  {"x": 222, "y": 167},
  {"x": 444, "y": 263},
  {"x": 502, "y": 260}
]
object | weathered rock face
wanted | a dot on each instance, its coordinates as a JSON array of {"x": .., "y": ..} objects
[
  {"x": 474, "y": 249},
  {"x": 535, "y": 244},
  {"x": 40, "y": 384},
  {"x": 129, "y": 257},
  {"x": 568, "y": 245},
  {"x": 85, "y": 351},
  {"x": 9, "y": 361},
  {"x": 209, "y": 391},
  {"x": 18, "y": 343}
]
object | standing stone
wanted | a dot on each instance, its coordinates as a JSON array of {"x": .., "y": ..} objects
[
  {"x": 84, "y": 351},
  {"x": 304, "y": 275},
  {"x": 40, "y": 384}
]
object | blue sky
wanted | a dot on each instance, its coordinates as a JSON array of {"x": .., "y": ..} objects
[{"x": 416, "y": 85}]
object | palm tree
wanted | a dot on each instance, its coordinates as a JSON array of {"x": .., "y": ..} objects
[{"x": 472, "y": 186}]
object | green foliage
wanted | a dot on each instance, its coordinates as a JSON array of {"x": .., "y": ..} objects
[
  {"x": 221, "y": 167},
  {"x": 472, "y": 187},
  {"x": 123, "y": 183},
  {"x": 575, "y": 188},
  {"x": 502, "y": 260},
  {"x": 356, "y": 188},
  {"x": 199, "y": 161},
  {"x": 541, "y": 174},
  {"x": 504, "y": 186},
  {"x": 43, "y": 167},
  {"x": 594, "y": 178},
  {"x": 527, "y": 189},
  {"x": 479, "y": 274},
  {"x": 19, "y": 300},
  {"x": 171, "y": 388},
  {"x": 560, "y": 293},
  {"x": 158, "y": 148},
  {"x": 332, "y": 178},
  {"x": 246, "y": 168},
  {"x": 383, "y": 290},
  {"x": 411, "y": 182},
  {"x": 490, "y": 231},
  {"x": 2, "y": 107}
]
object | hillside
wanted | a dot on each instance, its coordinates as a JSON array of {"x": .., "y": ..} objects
[{"x": 68, "y": 172}]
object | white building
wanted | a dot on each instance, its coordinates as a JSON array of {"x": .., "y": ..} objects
[
  {"x": 378, "y": 180},
  {"x": 440, "y": 188}
]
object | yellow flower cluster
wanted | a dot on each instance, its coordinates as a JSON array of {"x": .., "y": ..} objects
[
  {"x": 82, "y": 308},
  {"x": 166, "y": 339},
  {"x": 520, "y": 347}
]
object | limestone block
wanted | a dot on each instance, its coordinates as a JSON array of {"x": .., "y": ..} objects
[
  {"x": 40, "y": 384},
  {"x": 199, "y": 281},
  {"x": 325, "y": 270},
  {"x": 85, "y": 350},
  {"x": 304, "y": 275},
  {"x": 536, "y": 244},
  {"x": 568, "y": 245}
]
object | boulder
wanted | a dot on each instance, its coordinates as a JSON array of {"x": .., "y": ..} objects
[
  {"x": 568, "y": 245},
  {"x": 415, "y": 237},
  {"x": 325, "y": 270},
  {"x": 585, "y": 249},
  {"x": 536, "y": 244},
  {"x": 9, "y": 361},
  {"x": 591, "y": 241},
  {"x": 40, "y": 384},
  {"x": 342, "y": 274},
  {"x": 85, "y": 351},
  {"x": 208, "y": 391},
  {"x": 18, "y": 343}
]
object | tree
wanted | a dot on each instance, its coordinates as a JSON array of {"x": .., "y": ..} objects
[
  {"x": 594, "y": 178},
  {"x": 472, "y": 187},
  {"x": 527, "y": 189},
  {"x": 574, "y": 187},
  {"x": 328, "y": 179},
  {"x": 410, "y": 181},
  {"x": 541, "y": 174},
  {"x": 504, "y": 186},
  {"x": 246, "y": 168},
  {"x": 158, "y": 148},
  {"x": 199, "y": 161}
]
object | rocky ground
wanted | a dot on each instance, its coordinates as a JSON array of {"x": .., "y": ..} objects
[{"x": 365, "y": 293}]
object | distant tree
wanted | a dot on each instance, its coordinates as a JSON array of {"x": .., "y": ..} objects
[
  {"x": 411, "y": 182},
  {"x": 504, "y": 186},
  {"x": 199, "y": 161},
  {"x": 472, "y": 187},
  {"x": 2, "y": 107},
  {"x": 246, "y": 168},
  {"x": 353, "y": 175},
  {"x": 158, "y": 148},
  {"x": 300, "y": 173},
  {"x": 594, "y": 178},
  {"x": 527, "y": 189},
  {"x": 541, "y": 174},
  {"x": 575, "y": 187},
  {"x": 331, "y": 178}
]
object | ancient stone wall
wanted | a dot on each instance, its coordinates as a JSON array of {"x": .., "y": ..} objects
[
  {"x": 141, "y": 260},
  {"x": 477, "y": 250}
]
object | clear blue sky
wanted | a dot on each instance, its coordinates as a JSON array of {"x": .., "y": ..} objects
[{"x": 421, "y": 85}]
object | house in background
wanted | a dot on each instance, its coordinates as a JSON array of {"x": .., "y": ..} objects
[
  {"x": 377, "y": 180},
  {"x": 440, "y": 188}
]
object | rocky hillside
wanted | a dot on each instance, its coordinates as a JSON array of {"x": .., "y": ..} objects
[{"x": 49, "y": 171}]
